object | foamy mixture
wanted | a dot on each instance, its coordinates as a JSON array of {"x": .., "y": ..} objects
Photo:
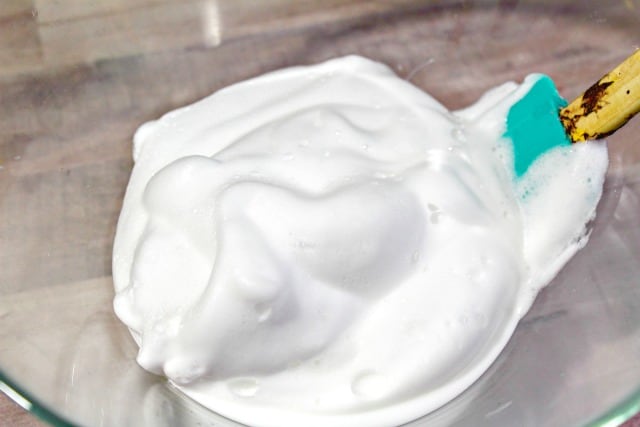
[{"x": 329, "y": 245}]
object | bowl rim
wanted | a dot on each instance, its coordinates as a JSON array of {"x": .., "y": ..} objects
[
  {"x": 614, "y": 417},
  {"x": 30, "y": 403}
]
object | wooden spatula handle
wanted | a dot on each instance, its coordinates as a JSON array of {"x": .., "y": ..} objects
[{"x": 607, "y": 105}]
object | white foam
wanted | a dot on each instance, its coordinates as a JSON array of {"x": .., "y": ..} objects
[{"x": 328, "y": 245}]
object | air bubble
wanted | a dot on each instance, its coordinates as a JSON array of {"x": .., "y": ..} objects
[
  {"x": 294, "y": 364},
  {"x": 459, "y": 135},
  {"x": 368, "y": 384},
  {"x": 263, "y": 312},
  {"x": 181, "y": 371},
  {"x": 380, "y": 175},
  {"x": 244, "y": 387}
]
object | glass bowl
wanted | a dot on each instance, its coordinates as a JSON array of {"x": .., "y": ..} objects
[{"x": 76, "y": 80}]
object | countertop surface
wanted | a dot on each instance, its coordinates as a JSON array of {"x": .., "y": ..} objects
[{"x": 34, "y": 40}]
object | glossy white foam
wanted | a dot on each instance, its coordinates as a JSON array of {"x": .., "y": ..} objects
[{"x": 328, "y": 245}]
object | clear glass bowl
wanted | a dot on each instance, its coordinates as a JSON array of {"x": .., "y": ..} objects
[{"x": 76, "y": 80}]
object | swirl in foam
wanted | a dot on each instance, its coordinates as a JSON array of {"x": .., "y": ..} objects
[{"x": 329, "y": 245}]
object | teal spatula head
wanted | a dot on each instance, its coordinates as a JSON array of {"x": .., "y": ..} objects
[{"x": 533, "y": 124}]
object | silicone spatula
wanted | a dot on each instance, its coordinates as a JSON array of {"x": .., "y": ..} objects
[{"x": 542, "y": 119}]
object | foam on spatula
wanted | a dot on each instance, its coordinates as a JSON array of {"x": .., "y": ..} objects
[{"x": 533, "y": 124}]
